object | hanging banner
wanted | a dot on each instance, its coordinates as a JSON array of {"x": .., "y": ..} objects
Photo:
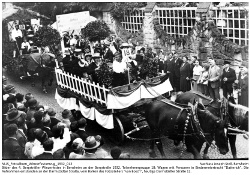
[{"x": 72, "y": 21}]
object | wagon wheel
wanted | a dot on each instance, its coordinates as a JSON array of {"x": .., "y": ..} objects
[{"x": 117, "y": 134}]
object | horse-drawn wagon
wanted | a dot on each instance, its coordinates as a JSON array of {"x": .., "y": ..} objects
[
  {"x": 123, "y": 110},
  {"x": 117, "y": 109}
]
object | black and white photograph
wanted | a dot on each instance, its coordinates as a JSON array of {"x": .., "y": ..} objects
[{"x": 148, "y": 82}]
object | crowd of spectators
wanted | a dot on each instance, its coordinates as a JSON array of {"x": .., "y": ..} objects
[{"x": 32, "y": 131}]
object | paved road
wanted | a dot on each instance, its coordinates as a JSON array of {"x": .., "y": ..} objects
[{"x": 137, "y": 149}]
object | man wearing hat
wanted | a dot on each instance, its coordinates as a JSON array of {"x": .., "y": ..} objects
[
  {"x": 94, "y": 66},
  {"x": 77, "y": 147},
  {"x": 10, "y": 89},
  {"x": 108, "y": 54},
  {"x": 90, "y": 147},
  {"x": 227, "y": 79},
  {"x": 67, "y": 60},
  {"x": 52, "y": 114}
]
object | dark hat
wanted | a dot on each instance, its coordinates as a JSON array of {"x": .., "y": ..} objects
[
  {"x": 91, "y": 143},
  {"x": 226, "y": 62},
  {"x": 32, "y": 102},
  {"x": 51, "y": 111},
  {"x": 13, "y": 114},
  {"x": 9, "y": 88}
]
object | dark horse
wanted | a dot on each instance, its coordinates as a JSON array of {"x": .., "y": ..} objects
[
  {"x": 167, "y": 118},
  {"x": 238, "y": 118},
  {"x": 38, "y": 64},
  {"x": 212, "y": 106}
]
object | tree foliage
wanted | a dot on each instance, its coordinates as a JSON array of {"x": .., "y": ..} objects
[
  {"x": 96, "y": 30},
  {"x": 47, "y": 36},
  {"x": 118, "y": 9}
]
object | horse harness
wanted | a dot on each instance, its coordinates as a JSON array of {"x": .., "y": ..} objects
[{"x": 192, "y": 118}]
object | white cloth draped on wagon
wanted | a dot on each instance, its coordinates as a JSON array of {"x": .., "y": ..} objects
[
  {"x": 121, "y": 102},
  {"x": 105, "y": 121}
]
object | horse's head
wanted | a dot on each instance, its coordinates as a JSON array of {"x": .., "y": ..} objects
[
  {"x": 220, "y": 136},
  {"x": 215, "y": 126}
]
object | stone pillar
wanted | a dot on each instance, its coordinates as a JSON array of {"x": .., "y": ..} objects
[{"x": 148, "y": 30}]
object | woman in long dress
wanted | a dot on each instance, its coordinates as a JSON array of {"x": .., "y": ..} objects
[{"x": 185, "y": 75}]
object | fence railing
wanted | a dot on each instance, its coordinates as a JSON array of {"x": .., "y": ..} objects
[{"x": 90, "y": 90}]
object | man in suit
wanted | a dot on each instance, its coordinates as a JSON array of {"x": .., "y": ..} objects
[
  {"x": 169, "y": 68},
  {"x": 227, "y": 79},
  {"x": 46, "y": 126},
  {"x": 11, "y": 147},
  {"x": 82, "y": 123},
  {"x": 213, "y": 80},
  {"x": 108, "y": 54},
  {"x": 47, "y": 153},
  {"x": 52, "y": 114},
  {"x": 177, "y": 65}
]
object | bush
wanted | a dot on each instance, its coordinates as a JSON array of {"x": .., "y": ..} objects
[
  {"x": 96, "y": 30},
  {"x": 47, "y": 36}
]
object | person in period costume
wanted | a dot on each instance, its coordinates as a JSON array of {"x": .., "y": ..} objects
[
  {"x": 243, "y": 87},
  {"x": 214, "y": 75},
  {"x": 119, "y": 68},
  {"x": 197, "y": 71},
  {"x": 185, "y": 75},
  {"x": 227, "y": 79}
]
